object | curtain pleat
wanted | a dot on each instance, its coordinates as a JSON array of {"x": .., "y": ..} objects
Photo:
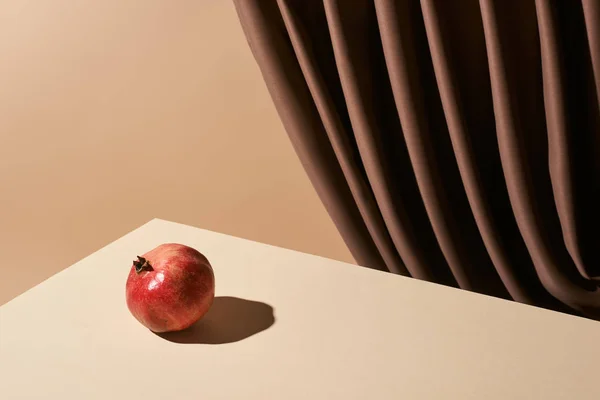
[
  {"x": 269, "y": 41},
  {"x": 338, "y": 135},
  {"x": 438, "y": 20},
  {"x": 591, "y": 12},
  {"x": 458, "y": 145}
]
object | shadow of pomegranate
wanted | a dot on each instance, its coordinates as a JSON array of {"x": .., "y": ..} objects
[{"x": 229, "y": 320}]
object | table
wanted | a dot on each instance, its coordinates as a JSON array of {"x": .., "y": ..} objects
[{"x": 286, "y": 325}]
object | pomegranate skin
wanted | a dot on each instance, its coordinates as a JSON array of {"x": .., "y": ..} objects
[{"x": 170, "y": 287}]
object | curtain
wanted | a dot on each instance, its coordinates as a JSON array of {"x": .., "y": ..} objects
[{"x": 456, "y": 142}]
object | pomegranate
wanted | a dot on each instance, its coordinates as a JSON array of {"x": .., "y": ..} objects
[{"x": 170, "y": 287}]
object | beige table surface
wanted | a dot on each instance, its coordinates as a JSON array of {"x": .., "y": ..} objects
[{"x": 286, "y": 325}]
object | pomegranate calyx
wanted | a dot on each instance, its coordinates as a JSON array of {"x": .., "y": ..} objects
[{"x": 141, "y": 264}]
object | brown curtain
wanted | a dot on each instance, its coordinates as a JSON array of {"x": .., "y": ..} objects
[{"x": 456, "y": 142}]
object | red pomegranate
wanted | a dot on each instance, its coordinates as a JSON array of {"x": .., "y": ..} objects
[{"x": 170, "y": 287}]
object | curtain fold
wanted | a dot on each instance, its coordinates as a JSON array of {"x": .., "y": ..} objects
[{"x": 457, "y": 145}]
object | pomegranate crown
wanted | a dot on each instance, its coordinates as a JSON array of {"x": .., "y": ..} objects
[{"x": 141, "y": 264}]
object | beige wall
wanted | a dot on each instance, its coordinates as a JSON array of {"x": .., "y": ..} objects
[{"x": 117, "y": 111}]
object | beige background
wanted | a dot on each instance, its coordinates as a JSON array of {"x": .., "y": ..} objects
[{"x": 114, "y": 112}]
